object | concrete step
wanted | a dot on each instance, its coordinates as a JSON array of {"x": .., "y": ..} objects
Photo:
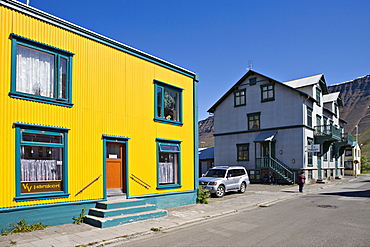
[
  {"x": 124, "y": 219},
  {"x": 122, "y": 203},
  {"x": 104, "y": 213}
]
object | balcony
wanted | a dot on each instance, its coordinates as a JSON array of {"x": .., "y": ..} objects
[
  {"x": 339, "y": 147},
  {"x": 325, "y": 135}
]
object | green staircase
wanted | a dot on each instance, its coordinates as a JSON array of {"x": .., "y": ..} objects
[
  {"x": 119, "y": 212},
  {"x": 278, "y": 167}
]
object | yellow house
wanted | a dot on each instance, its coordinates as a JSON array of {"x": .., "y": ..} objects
[{"x": 85, "y": 118}]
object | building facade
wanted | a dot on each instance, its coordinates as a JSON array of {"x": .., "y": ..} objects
[
  {"x": 276, "y": 129},
  {"x": 352, "y": 160},
  {"x": 85, "y": 117}
]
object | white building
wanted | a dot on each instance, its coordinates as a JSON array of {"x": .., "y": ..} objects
[
  {"x": 352, "y": 160},
  {"x": 266, "y": 126}
]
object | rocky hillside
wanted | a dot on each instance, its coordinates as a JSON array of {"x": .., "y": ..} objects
[
  {"x": 356, "y": 99},
  {"x": 206, "y": 133}
]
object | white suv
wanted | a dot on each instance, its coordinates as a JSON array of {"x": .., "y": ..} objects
[{"x": 221, "y": 179}]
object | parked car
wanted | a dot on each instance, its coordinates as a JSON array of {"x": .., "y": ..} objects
[{"x": 221, "y": 179}]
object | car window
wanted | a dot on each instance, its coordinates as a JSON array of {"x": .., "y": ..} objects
[{"x": 218, "y": 173}]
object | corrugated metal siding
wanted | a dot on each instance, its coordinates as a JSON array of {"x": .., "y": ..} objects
[{"x": 112, "y": 93}]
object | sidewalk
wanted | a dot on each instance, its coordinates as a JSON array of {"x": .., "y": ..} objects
[{"x": 85, "y": 235}]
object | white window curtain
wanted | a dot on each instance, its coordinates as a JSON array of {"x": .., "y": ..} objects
[
  {"x": 35, "y": 72},
  {"x": 40, "y": 170},
  {"x": 166, "y": 173}
]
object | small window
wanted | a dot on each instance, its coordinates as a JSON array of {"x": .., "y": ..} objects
[
  {"x": 168, "y": 107},
  {"x": 267, "y": 92},
  {"x": 168, "y": 164},
  {"x": 253, "y": 121},
  {"x": 243, "y": 152},
  {"x": 41, "y": 73},
  {"x": 239, "y": 97},
  {"x": 309, "y": 154},
  {"x": 42, "y": 163},
  {"x": 318, "y": 96},
  {"x": 309, "y": 117},
  {"x": 253, "y": 81},
  {"x": 348, "y": 152}
]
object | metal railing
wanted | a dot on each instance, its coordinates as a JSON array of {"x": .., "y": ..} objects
[
  {"x": 328, "y": 130},
  {"x": 139, "y": 181},
  {"x": 276, "y": 166}
]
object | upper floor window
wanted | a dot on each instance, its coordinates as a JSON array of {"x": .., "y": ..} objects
[
  {"x": 318, "y": 120},
  {"x": 254, "y": 121},
  {"x": 267, "y": 92},
  {"x": 309, "y": 154},
  {"x": 168, "y": 107},
  {"x": 40, "y": 72},
  {"x": 253, "y": 81},
  {"x": 309, "y": 117},
  {"x": 239, "y": 97},
  {"x": 348, "y": 152},
  {"x": 318, "y": 96},
  {"x": 243, "y": 152}
]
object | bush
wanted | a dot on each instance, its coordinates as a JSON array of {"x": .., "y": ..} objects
[
  {"x": 23, "y": 227},
  {"x": 203, "y": 195}
]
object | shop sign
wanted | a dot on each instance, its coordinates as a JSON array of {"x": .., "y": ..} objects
[
  {"x": 313, "y": 148},
  {"x": 40, "y": 186}
]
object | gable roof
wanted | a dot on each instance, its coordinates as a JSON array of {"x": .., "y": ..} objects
[
  {"x": 308, "y": 81},
  {"x": 241, "y": 80},
  {"x": 333, "y": 97}
]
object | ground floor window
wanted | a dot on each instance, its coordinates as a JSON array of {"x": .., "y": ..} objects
[
  {"x": 309, "y": 175},
  {"x": 168, "y": 163},
  {"x": 41, "y": 161},
  {"x": 242, "y": 152}
]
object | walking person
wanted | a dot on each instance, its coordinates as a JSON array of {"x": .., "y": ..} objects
[{"x": 301, "y": 181}]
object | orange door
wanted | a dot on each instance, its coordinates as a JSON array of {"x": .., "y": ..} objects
[{"x": 115, "y": 166}]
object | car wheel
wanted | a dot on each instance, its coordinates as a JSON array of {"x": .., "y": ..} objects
[
  {"x": 242, "y": 188},
  {"x": 220, "y": 192}
]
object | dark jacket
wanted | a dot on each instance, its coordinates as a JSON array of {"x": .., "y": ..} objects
[{"x": 301, "y": 178}]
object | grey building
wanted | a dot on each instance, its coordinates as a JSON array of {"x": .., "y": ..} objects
[{"x": 275, "y": 129}]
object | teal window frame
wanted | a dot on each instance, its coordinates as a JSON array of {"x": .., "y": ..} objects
[
  {"x": 159, "y": 115},
  {"x": 58, "y": 55},
  {"x": 267, "y": 89},
  {"x": 252, "y": 117},
  {"x": 318, "y": 120},
  {"x": 41, "y": 130},
  {"x": 242, "y": 152},
  {"x": 169, "y": 147},
  {"x": 240, "y": 97}
]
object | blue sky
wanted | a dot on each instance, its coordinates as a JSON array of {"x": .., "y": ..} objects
[{"x": 284, "y": 39}]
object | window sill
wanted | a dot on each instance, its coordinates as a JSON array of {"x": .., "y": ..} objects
[
  {"x": 163, "y": 120},
  {"x": 169, "y": 186},
  {"x": 18, "y": 95},
  {"x": 267, "y": 100},
  {"x": 41, "y": 196}
]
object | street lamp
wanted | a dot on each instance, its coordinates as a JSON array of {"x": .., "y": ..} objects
[{"x": 358, "y": 124}]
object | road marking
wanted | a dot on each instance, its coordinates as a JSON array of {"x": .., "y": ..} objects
[{"x": 352, "y": 199}]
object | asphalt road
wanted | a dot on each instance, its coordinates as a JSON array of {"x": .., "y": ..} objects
[{"x": 335, "y": 216}]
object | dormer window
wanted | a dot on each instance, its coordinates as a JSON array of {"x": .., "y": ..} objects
[{"x": 318, "y": 96}]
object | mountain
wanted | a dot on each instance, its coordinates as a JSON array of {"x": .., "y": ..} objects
[
  {"x": 206, "y": 133},
  {"x": 356, "y": 102},
  {"x": 356, "y": 99}
]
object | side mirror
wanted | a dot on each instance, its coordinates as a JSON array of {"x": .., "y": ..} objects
[{"x": 228, "y": 175}]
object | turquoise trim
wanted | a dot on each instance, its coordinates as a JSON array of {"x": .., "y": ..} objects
[
  {"x": 57, "y": 54},
  {"x": 170, "y": 143},
  {"x": 117, "y": 139},
  {"x": 160, "y": 117},
  {"x": 18, "y": 6},
  {"x": 196, "y": 135},
  {"x": 261, "y": 130},
  {"x": 42, "y": 130}
]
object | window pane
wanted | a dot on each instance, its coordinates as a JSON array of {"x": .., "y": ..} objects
[
  {"x": 159, "y": 102},
  {"x": 164, "y": 147},
  {"x": 28, "y": 137},
  {"x": 171, "y": 105},
  {"x": 63, "y": 78},
  {"x": 113, "y": 151},
  {"x": 168, "y": 166},
  {"x": 35, "y": 72},
  {"x": 41, "y": 163}
]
